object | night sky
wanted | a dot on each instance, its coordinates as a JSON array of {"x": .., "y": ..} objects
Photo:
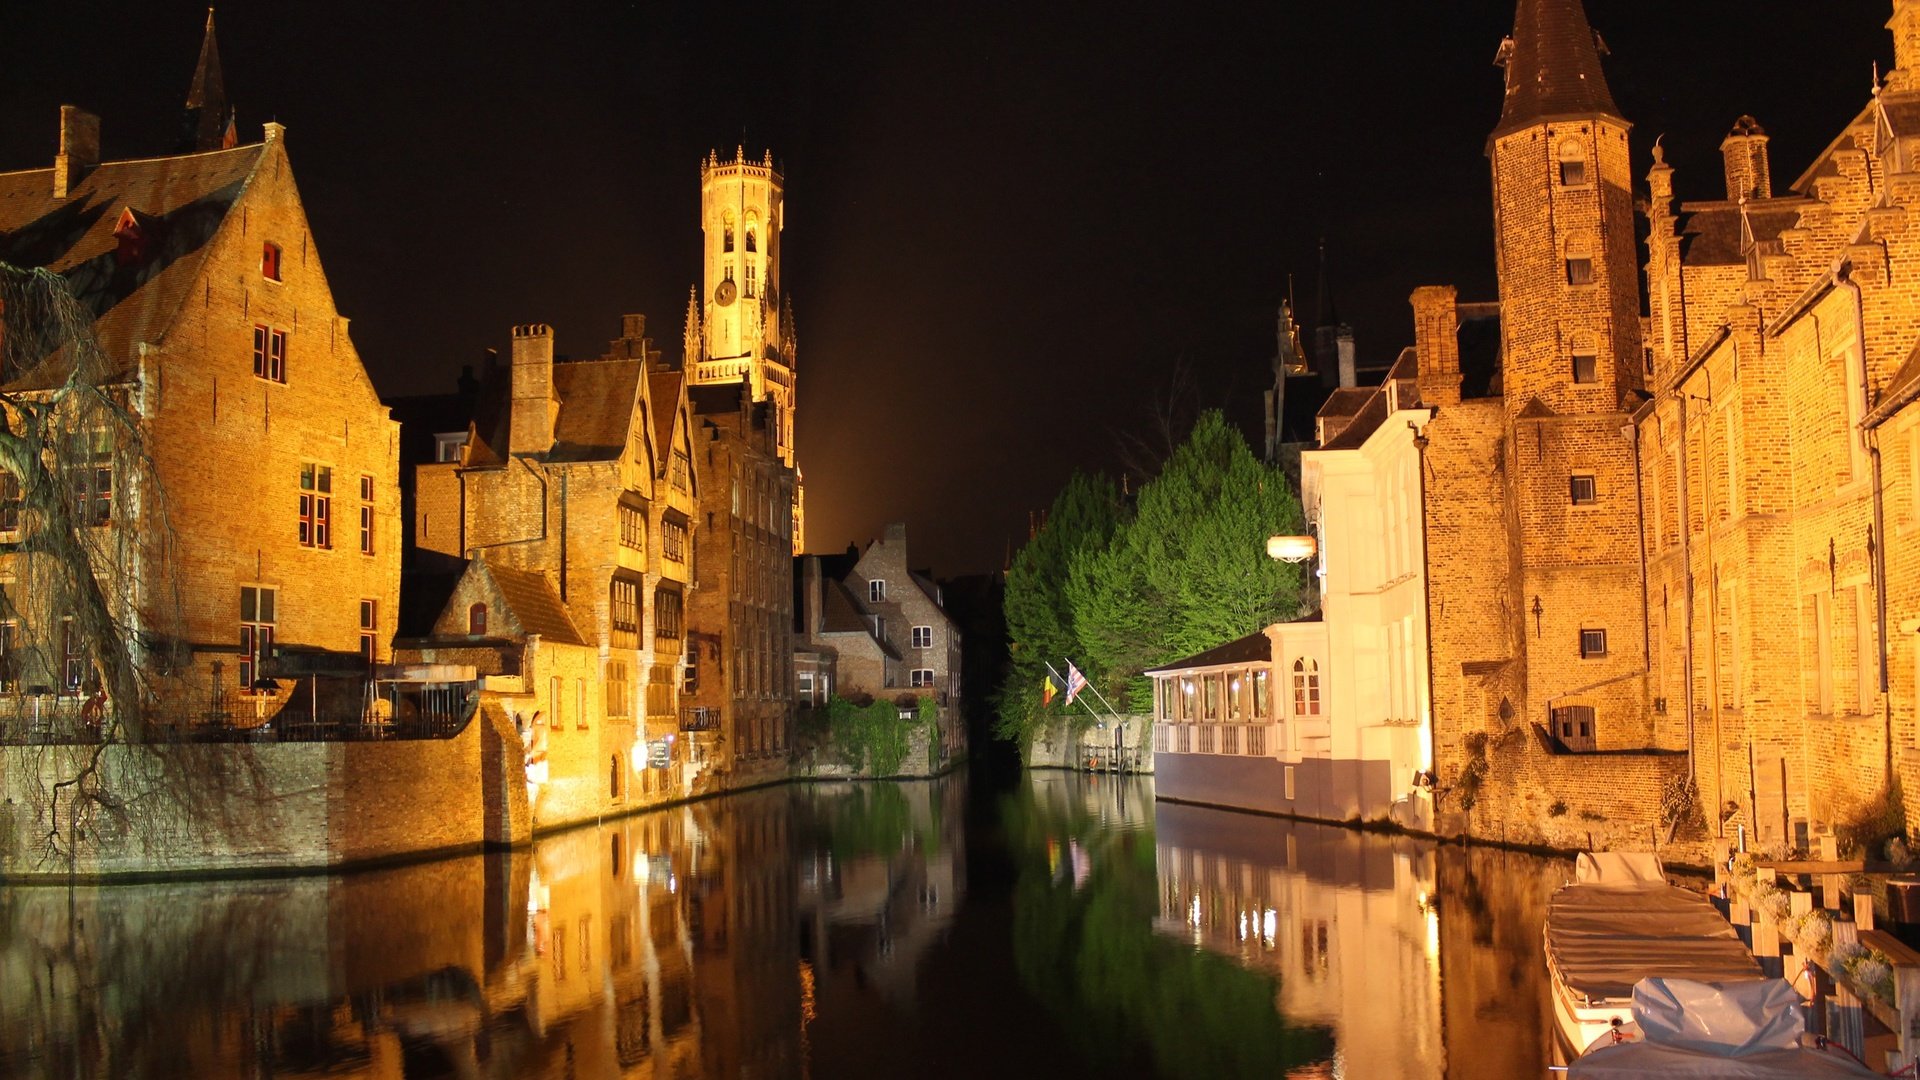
[{"x": 1008, "y": 225}]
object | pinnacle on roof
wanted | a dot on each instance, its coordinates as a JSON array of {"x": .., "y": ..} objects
[
  {"x": 1324, "y": 311},
  {"x": 208, "y": 123},
  {"x": 1553, "y": 67}
]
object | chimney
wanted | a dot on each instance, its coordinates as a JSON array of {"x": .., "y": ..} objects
[
  {"x": 1343, "y": 345},
  {"x": 1744, "y": 151},
  {"x": 814, "y": 598},
  {"x": 534, "y": 406},
  {"x": 896, "y": 535},
  {"x": 79, "y": 149},
  {"x": 1436, "y": 341}
]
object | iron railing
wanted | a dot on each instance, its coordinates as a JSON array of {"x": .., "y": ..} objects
[
  {"x": 699, "y": 718},
  {"x": 384, "y": 711}
]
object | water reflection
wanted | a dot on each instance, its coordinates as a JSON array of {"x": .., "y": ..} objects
[{"x": 813, "y": 932}]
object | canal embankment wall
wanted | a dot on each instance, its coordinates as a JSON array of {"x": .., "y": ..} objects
[
  {"x": 103, "y": 811},
  {"x": 1062, "y": 744}
]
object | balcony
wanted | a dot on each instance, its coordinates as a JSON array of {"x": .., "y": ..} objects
[
  {"x": 699, "y": 718},
  {"x": 375, "y": 710}
]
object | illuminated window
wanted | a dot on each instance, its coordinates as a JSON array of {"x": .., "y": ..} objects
[
  {"x": 1262, "y": 687},
  {"x": 477, "y": 620},
  {"x": 270, "y": 261},
  {"x": 76, "y": 668},
  {"x": 1306, "y": 687},
  {"x": 258, "y": 616},
  {"x": 923, "y": 637},
  {"x": 1210, "y": 693},
  {"x": 270, "y": 354},
  {"x": 1573, "y": 163},
  {"x": 1581, "y": 487},
  {"x": 316, "y": 506},
  {"x": 691, "y": 683},
  {"x": 89, "y": 476}
]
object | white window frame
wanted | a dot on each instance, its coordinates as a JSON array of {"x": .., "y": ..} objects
[
  {"x": 923, "y": 637},
  {"x": 877, "y": 591},
  {"x": 921, "y": 678}
]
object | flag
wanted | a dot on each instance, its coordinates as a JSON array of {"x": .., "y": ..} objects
[
  {"x": 1076, "y": 682},
  {"x": 1047, "y": 690}
]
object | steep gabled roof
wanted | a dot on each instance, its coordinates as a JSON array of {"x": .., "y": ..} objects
[
  {"x": 181, "y": 202},
  {"x": 534, "y": 605},
  {"x": 1553, "y": 67},
  {"x": 664, "y": 388},
  {"x": 598, "y": 401}
]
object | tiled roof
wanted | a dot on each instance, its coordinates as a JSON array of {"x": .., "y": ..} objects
[
  {"x": 1346, "y": 401},
  {"x": 1710, "y": 234},
  {"x": 664, "y": 387},
  {"x": 1364, "y": 423},
  {"x": 1553, "y": 70},
  {"x": 181, "y": 202},
  {"x": 1256, "y": 647},
  {"x": 597, "y": 401},
  {"x": 534, "y": 605},
  {"x": 842, "y": 615}
]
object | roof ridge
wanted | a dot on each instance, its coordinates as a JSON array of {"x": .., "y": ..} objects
[{"x": 261, "y": 145}]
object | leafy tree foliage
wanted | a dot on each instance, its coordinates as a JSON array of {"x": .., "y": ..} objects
[{"x": 1186, "y": 570}]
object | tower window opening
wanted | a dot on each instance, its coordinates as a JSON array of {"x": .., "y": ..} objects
[
  {"x": 726, "y": 237},
  {"x": 1586, "y": 357},
  {"x": 1582, "y": 489},
  {"x": 752, "y": 240},
  {"x": 1573, "y": 164},
  {"x": 1579, "y": 271}
]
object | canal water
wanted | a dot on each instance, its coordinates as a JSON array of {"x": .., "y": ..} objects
[{"x": 1050, "y": 925}]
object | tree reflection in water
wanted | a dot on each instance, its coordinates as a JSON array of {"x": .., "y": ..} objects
[{"x": 1085, "y": 902}]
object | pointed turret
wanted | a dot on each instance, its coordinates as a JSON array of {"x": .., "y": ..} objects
[
  {"x": 1333, "y": 356},
  {"x": 1553, "y": 67},
  {"x": 691, "y": 348},
  {"x": 208, "y": 122}
]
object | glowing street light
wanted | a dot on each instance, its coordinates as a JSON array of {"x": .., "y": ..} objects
[{"x": 1292, "y": 549}]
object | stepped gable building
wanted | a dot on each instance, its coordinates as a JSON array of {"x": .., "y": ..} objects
[
  {"x": 1781, "y": 464},
  {"x": 740, "y": 675},
  {"x": 274, "y": 456},
  {"x": 877, "y": 627},
  {"x": 578, "y": 474},
  {"x": 1661, "y": 542},
  {"x": 740, "y": 328}
]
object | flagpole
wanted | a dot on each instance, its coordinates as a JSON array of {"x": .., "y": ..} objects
[{"x": 1081, "y": 700}]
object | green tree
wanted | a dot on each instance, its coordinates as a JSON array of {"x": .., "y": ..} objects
[
  {"x": 1038, "y": 610},
  {"x": 1190, "y": 570}
]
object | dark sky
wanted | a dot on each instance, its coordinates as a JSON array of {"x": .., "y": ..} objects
[{"x": 1007, "y": 223}]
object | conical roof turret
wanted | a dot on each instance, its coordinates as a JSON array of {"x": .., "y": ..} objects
[
  {"x": 208, "y": 122},
  {"x": 1553, "y": 67}
]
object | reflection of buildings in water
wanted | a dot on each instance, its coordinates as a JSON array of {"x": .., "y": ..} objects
[
  {"x": 1113, "y": 802},
  {"x": 1494, "y": 906},
  {"x": 1347, "y": 921},
  {"x": 869, "y": 915},
  {"x": 609, "y": 952}
]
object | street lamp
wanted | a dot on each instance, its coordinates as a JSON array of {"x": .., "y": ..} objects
[{"x": 1292, "y": 549}]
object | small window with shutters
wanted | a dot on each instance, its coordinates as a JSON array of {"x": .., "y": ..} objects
[
  {"x": 1573, "y": 164},
  {"x": 1581, "y": 487},
  {"x": 1586, "y": 359}
]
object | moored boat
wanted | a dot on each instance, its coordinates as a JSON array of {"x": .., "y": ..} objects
[
  {"x": 1619, "y": 922},
  {"x": 1751, "y": 1029}
]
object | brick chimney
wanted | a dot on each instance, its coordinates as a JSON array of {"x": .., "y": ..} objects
[
  {"x": 79, "y": 149},
  {"x": 534, "y": 407},
  {"x": 1436, "y": 336},
  {"x": 1744, "y": 151}
]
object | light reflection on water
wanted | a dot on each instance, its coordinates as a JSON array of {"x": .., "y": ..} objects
[{"x": 1059, "y": 926}]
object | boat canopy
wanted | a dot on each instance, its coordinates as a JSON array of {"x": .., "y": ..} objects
[
  {"x": 1603, "y": 938},
  {"x": 1744, "y": 1030}
]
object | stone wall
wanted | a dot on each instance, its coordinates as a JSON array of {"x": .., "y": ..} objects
[
  {"x": 1058, "y": 744},
  {"x": 238, "y": 808}
]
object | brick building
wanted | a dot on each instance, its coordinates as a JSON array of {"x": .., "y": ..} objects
[
  {"x": 580, "y": 474},
  {"x": 273, "y": 462},
  {"x": 740, "y": 640},
  {"x": 879, "y": 628},
  {"x": 1673, "y": 541}
]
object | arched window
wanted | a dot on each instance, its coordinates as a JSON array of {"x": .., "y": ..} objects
[
  {"x": 1579, "y": 261},
  {"x": 726, "y": 234},
  {"x": 477, "y": 620},
  {"x": 613, "y": 791},
  {"x": 1306, "y": 687},
  {"x": 1573, "y": 163},
  {"x": 752, "y": 241},
  {"x": 1586, "y": 358}
]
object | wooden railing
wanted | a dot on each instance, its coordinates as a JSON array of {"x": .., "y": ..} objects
[{"x": 1236, "y": 740}]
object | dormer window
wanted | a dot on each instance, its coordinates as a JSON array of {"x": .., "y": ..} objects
[
  {"x": 877, "y": 591},
  {"x": 270, "y": 261},
  {"x": 1573, "y": 164},
  {"x": 133, "y": 236}
]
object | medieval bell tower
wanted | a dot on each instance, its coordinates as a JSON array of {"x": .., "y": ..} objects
[{"x": 740, "y": 325}]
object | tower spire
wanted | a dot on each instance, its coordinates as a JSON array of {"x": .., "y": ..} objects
[
  {"x": 208, "y": 122},
  {"x": 1553, "y": 67}
]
